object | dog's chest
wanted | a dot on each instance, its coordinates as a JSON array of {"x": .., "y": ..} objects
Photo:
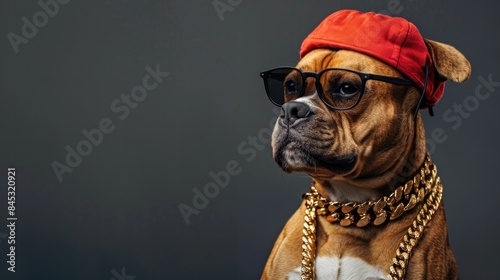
[{"x": 345, "y": 268}]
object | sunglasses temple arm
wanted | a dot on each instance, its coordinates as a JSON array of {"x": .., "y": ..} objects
[{"x": 423, "y": 93}]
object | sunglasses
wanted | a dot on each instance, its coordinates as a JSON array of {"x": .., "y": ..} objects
[{"x": 338, "y": 88}]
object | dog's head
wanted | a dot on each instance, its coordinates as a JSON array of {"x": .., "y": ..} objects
[{"x": 353, "y": 123}]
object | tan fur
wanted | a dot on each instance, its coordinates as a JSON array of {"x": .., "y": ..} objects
[
  {"x": 450, "y": 63},
  {"x": 390, "y": 146}
]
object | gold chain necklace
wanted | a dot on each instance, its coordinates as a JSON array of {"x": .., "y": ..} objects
[{"x": 424, "y": 187}]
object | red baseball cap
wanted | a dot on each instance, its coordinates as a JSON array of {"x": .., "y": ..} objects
[{"x": 393, "y": 40}]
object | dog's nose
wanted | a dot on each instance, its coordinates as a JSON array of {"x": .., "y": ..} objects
[{"x": 291, "y": 112}]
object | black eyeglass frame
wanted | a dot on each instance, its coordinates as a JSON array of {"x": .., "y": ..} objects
[{"x": 319, "y": 88}]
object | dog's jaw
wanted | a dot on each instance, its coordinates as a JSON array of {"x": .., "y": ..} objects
[{"x": 294, "y": 151}]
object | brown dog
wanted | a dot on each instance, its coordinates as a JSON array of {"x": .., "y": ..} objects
[{"x": 354, "y": 227}]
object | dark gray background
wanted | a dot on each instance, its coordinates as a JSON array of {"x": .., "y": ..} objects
[{"x": 119, "y": 207}]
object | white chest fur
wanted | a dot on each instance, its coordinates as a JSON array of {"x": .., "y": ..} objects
[{"x": 346, "y": 268}]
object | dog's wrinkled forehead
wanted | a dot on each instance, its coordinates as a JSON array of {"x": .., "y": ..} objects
[{"x": 321, "y": 59}]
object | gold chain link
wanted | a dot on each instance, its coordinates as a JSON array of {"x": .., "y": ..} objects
[
  {"x": 415, "y": 231},
  {"x": 425, "y": 186},
  {"x": 309, "y": 240}
]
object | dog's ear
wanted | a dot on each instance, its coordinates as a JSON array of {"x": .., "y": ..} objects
[{"x": 449, "y": 62}]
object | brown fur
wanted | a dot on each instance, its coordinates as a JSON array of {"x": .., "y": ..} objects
[{"x": 389, "y": 143}]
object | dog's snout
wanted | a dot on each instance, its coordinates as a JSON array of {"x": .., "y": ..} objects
[{"x": 291, "y": 112}]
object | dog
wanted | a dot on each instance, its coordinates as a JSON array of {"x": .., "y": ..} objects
[{"x": 350, "y": 119}]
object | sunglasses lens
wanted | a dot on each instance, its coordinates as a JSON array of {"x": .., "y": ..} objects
[
  {"x": 283, "y": 85},
  {"x": 341, "y": 89}
]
